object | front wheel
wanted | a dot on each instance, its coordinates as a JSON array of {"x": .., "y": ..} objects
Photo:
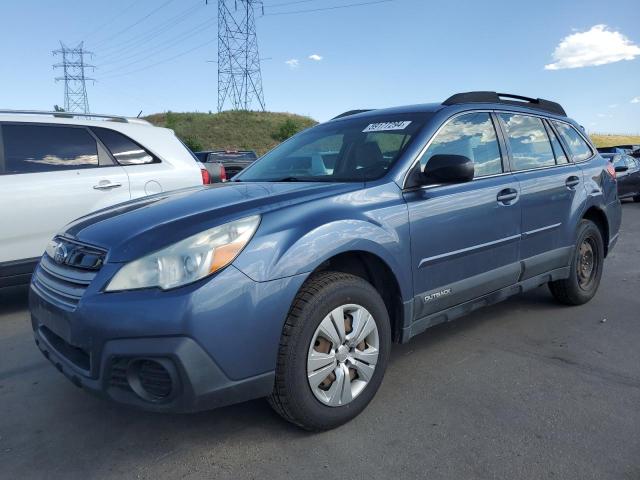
[
  {"x": 333, "y": 352},
  {"x": 586, "y": 267}
]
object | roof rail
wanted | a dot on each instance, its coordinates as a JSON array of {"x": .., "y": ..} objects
[
  {"x": 112, "y": 118},
  {"x": 351, "y": 112},
  {"x": 508, "y": 99}
]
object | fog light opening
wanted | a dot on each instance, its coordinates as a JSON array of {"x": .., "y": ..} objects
[{"x": 153, "y": 380}]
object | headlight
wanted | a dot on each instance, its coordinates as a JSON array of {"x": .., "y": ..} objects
[{"x": 188, "y": 260}]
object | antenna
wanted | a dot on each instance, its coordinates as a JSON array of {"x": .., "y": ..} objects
[
  {"x": 73, "y": 66},
  {"x": 239, "y": 76}
]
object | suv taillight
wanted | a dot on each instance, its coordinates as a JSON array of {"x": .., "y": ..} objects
[
  {"x": 206, "y": 178},
  {"x": 611, "y": 170},
  {"x": 223, "y": 173}
]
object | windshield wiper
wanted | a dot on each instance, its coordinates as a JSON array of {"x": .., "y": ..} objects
[{"x": 287, "y": 179}]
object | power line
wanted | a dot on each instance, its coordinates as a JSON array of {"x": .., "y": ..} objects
[
  {"x": 162, "y": 61},
  {"x": 160, "y": 47},
  {"x": 145, "y": 36},
  {"x": 108, "y": 22},
  {"x": 328, "y": 8},
  {"x": 137, "y": 22}
]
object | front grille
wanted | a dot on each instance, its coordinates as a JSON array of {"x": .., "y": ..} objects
[
  {"x": 118, "y": 377},
  {"x": 155, "y": 379},
  {"x": 65, "y": 283}
]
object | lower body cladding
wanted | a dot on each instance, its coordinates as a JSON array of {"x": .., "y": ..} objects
[{"x": 206, "y": 345}]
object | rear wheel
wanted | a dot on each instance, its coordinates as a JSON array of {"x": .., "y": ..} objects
[
  {"x": 333, "y": 352},
  {"x": 586, "y": 267},
  {"x": 636, "y": 198}
]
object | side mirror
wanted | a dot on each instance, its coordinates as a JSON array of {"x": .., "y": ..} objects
[
  {"x": 621, "y": 168},
  {"x": 448, "y": 169}
]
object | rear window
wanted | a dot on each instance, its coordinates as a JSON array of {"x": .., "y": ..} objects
[
  {"x": 47, "y": 148},
  {"x": 124, "y": 150},
  {"x": 578, "y": 147}
]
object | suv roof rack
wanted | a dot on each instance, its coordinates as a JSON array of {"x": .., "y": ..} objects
[
  {"x": 508, "y": 99},
  {"x": 112, "y": 118},
  {"x": 352, "y": 112}
]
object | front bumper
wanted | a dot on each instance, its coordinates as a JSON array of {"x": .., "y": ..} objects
[{"x": 216, "y": 340}]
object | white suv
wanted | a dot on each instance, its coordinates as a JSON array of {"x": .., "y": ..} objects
[{"x": 56, "y": 167}]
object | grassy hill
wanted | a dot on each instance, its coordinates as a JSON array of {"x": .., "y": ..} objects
[
  {"x": 261, "y": 131},
  {"x": 605, "y": 140},
  {"x": 239, "y": 130}
]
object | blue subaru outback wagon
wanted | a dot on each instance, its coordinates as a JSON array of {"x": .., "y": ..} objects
[{"x": 293, "y": 280}]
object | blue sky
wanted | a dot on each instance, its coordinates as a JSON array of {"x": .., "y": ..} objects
[{"x": 403, "y": 51}]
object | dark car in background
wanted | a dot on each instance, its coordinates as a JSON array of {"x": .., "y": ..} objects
[
  {"x": 233, "y": 161},
  {"x": 633, "y": 150},
  {"x": 628, "y": 174}
]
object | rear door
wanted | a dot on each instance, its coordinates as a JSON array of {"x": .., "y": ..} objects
[
  {"x": 464, "y": 237},
  {"x": 51, "y": 175},
  {"x": 634, "y": 174},
  {"x": 552, "y": 191}
]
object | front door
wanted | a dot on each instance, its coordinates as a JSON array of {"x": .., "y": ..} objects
[{"x": 464, "y": 237}]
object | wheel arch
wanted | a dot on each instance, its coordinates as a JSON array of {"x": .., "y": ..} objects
[
  {"x": 597, "y": 216},
  {"x": 378, "y": 273}
]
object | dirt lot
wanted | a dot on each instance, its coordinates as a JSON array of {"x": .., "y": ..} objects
[{"x": 524, "y": 389}]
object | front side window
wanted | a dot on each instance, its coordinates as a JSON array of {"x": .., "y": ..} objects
[
  {"x": 346, "y": 150},
  {"x": 43, "y": 148},
  {"x": 123, "y": 149},
  {"x": 528, "y": 140},
  {"x": 578, "y": 147},
  {"x": 473, "y": 136}
]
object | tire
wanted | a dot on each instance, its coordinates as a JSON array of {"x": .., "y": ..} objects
[
  {"x": 636, "y": 198},
  {"x": 316, "y": 304},
  {"x": 580, "y": 287}
]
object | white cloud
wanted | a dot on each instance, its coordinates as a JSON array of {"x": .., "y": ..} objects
[
  {"x": 613, "y": 105},
  {"x": 293, "y": 63},
  {"x": 604, "y": 115},
  {"x": 635, "y": 100},
  {"x": 315, "y": 57},
  {"x": 597, "y": 46}
]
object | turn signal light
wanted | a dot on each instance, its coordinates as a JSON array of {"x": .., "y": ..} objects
[
  {"x": 223, "y": 174},
  {"x": 611, "y": 170}
]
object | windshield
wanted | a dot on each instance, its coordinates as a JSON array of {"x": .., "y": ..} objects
[{"x": 349, "y": 150}]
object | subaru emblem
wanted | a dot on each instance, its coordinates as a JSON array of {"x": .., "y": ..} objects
[{"x": 60, "y": 253}]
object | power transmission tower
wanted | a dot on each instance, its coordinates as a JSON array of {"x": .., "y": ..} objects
[
  {"x": 239, "y": 77},
  {"x": 73, "y": 66}
]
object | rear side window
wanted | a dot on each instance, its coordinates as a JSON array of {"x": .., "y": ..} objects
[
  {"x": 527, "y": 137},
  {"x": 561, "y": 158},
  {"x": 473, "y": 136},
  {"x": 123, "y": 149},
  {"x": 44, "y": 148},
  {"x": 578, "y": 147}
]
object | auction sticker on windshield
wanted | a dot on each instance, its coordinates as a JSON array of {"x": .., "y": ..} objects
[{"x": 384, "y": 126}]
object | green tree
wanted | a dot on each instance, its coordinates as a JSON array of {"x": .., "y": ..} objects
[
  {"x": 193, "y": 144},
  {"x": 287, "y": 129}
]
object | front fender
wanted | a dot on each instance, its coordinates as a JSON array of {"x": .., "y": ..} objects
[{"x": 295, "y": 250}]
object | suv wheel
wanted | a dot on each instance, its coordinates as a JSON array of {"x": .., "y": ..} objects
[
  {"x": 333, "y": 352},
  {"x": 586, "y": 267}
]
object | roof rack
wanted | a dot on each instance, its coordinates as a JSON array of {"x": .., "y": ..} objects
[
  {"x": 112, "y": 118},
  {"x": 506, "y": 98},
  {"x": 351, "y": 112}
]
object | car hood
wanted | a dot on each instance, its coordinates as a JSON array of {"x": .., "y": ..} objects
[{"x": 138, "y": 227}]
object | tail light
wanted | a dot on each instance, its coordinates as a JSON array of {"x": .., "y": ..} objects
[
  {"x": 206, "y": 178},
  {"x": 223, "y": 173},
  {"x": 611, "y": 170}
]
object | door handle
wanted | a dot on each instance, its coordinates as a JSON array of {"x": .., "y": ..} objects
[
  {"x": 507, "y": 196},
  {"x": 106, "y": 185},
  {"x": 572, "y": 182}
]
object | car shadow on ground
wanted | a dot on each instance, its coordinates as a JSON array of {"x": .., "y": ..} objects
[{"x": 13, "y": 299}]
